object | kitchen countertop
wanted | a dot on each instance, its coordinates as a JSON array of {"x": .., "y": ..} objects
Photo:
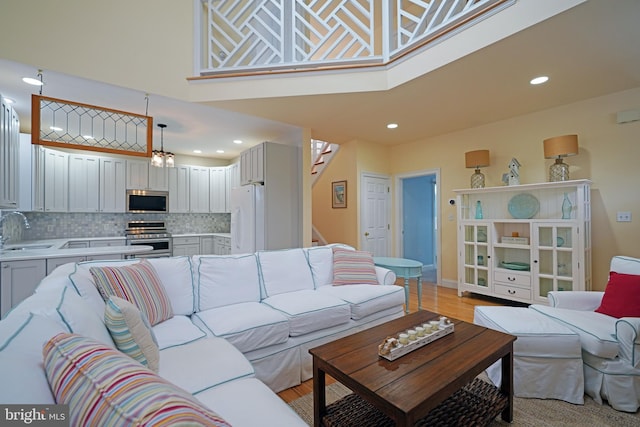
[
  {"x": 56, "y": 250},
  {"x": 201, "y": 234}
]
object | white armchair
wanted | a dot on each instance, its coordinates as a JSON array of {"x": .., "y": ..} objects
[{"x": 610, "y": 346}]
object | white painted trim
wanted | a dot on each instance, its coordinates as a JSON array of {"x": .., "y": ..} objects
[{"x": 438, "y": 209}]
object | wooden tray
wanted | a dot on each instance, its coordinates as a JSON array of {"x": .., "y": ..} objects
[{"x": 403, "y": 349}]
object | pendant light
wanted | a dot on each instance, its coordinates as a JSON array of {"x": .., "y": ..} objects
[{"x": 162, "y": 158}]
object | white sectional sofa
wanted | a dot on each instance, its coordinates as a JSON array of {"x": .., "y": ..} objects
[{"x": 238, "y": 330}]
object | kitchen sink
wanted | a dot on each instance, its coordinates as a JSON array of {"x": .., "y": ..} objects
[{"x": 26, "y": 248}]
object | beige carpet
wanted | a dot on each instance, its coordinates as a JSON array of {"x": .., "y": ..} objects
[{"x": 526, "y": 413}]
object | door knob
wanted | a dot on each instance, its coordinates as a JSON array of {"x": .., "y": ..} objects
[{"x": 366, "y": 233}]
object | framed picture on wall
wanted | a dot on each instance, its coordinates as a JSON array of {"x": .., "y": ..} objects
[{"x": 339, "y": 194}]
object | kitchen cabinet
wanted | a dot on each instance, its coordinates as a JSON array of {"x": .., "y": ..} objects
[
  {"x": 142, "y": 176},
  {"x": 252, "y": 165},
  {"x": 179, "y": 189},
  {"x": 521, "y": 242},
  {"x": 207, "y": 245},
  {"x": 198, "y": 189},
  {"x": 50, "y": 180},
  {"x": 18, "y": 280},
  {"x": 112, "y": 184},
  {"x": 9, "y": 155},
  {"x": 218, "y": 192},
  {"x": 105, "y": 243},
  {"x": 84, "y": 177},
  {"x": 186, "y": 246},
  {"x": 222, "y": 245}
]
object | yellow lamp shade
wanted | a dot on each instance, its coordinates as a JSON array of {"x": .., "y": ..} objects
[
  {"x": 477, "y": 159},
  {"x": 560, "y": 146}
]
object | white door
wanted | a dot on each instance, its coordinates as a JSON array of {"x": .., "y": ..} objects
[{"x": 375, "y": 227}]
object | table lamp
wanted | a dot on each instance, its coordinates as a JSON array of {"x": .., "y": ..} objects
[
  {"x": 557, "y": 148},
  {"x": 477, "y": 159}
]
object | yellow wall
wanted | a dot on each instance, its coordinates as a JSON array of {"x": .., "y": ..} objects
[
  {"x": 353, "y": 158},
  {"x": 609, "y": 156}
]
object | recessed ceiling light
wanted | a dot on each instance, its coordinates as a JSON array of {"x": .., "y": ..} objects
[
  {"x": 539, "y": 80},
  {"x": 32, "y": 81},
  {"x": 9, "y": 101},
  {"x": 197, "y": 151},
  {"x": 392, "y": 125},
  {"x": 55, "y": 128},
  {"x": 219, "y": 151},
  {"x": 237, "y": 141}
]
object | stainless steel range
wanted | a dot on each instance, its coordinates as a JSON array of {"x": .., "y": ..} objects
[{"x": 150, "y": 233}]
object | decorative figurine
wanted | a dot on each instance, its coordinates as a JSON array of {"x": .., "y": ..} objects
[
  {"x": 513, "y": 177},
  {"x": 387, "y": 345}
]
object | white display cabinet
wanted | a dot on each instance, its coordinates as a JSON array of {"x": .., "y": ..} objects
[{"x": 518, "y": 243}]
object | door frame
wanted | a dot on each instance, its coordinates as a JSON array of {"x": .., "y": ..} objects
[
  {"x": 398, "y": 198},
  {"x": 362, "y": 204}
]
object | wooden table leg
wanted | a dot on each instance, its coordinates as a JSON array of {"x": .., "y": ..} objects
[
  {"x": 319, "y": 397},
  {"x": 507, "y": 384}
]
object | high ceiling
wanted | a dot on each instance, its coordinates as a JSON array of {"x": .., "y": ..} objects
[{"x": 587, "y": 51}]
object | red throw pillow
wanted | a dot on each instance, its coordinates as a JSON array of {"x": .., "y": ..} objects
[{"x": 622, "y": 296}]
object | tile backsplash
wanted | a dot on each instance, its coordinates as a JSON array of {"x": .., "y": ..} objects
[{"x": 79, "y": 225}]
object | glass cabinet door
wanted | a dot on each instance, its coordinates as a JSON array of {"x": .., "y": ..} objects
[
  {"x": 554, "y": 261},
  {"x": 476, "y": 255}
]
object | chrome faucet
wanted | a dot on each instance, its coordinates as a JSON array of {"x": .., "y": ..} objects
[{"x": 2, "y": 218}]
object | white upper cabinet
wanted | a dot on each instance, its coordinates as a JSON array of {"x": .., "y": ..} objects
[
  {"x": 112, "y": 184},
  {"x": 84, "y": 178},
  {"x": 218, "y": 190},
  {"x": 9, "y": 160},
  {"x": 252, "y": 165},
  {"x": 142, "y": 176},
  {"x": 179, "y": 189},
  {"x": 199, "y": 189},
  {"x": 56, "y": 181}
]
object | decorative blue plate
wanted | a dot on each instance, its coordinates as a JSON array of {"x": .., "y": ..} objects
[{"x": 523, "y": 206}]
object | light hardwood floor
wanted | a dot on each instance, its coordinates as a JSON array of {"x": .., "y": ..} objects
[{"x": 444, "y": 301}]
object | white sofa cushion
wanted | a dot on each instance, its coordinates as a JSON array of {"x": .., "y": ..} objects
[
  {"x": 366, "y": 299},
  {"x": 248, "y": 402},
  {"x": 321, "y": 263},
  {"x": 178, "y": 330},
  {"x": 595, "y": 329},
  {"x": 309, "y": 310},
  {"x": 176, "y": 275},
  {"x": 248, "y": 326},
  {"x": 284, "y": 271},
  {"x": 22, "y": 336},
  {"x": 625, "y": 265},
  {"x": 226, "y": 280},
  {"x": 199, "y": 365},
  {"x": 67, "y": 308}
]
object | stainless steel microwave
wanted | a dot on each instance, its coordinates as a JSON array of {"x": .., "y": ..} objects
[{"x": 145, "y": 201}]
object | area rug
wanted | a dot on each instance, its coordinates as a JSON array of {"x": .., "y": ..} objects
[{"x": 526, "y": 412}]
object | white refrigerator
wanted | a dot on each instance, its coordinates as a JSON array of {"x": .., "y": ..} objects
[{"x": 247, "y": 219}]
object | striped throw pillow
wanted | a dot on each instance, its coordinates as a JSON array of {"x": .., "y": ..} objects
[
  {"x": 353, "y": 267},
  {"x": 137, "y": 283},
  {"x": 103, "y": 387},
  {"x": 131, "y": 332}
]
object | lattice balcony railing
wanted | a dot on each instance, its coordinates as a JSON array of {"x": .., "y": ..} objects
[{"x": 265, "y": 35}]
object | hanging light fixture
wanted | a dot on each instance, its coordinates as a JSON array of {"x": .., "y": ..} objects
[{"x": 162, "y": 158}]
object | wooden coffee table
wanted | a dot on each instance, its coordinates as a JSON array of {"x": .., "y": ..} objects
[{"x": 407, "y": 388}]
